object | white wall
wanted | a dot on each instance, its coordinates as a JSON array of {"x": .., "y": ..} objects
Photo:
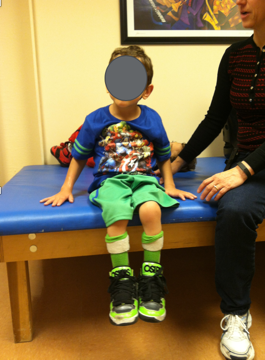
[{"x": 20, "y": 140}]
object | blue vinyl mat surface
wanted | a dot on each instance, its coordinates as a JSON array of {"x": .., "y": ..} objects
[{"x": 22, "y": 213}]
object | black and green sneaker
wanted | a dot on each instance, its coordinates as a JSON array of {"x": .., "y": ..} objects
[
  {"x": 124, "y": 303},
  {"x": 152, "y": 289}
]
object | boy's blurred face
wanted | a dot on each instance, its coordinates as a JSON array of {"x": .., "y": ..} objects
[{"x": 126, "y": 80}]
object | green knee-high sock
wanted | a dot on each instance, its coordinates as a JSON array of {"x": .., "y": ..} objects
[
  {"x": 152, "y": 256},
  {"x": 121, "y": 259}
]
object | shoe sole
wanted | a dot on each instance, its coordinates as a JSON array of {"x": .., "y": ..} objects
[
  {"x": 236, "y": 358},
  {"x": 250, "y": 356},
  {"x": 152, "y": 319},
  {"x": 124, "y": 322}
]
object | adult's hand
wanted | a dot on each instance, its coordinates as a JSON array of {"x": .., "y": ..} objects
[{"x": 221, "y": 183}]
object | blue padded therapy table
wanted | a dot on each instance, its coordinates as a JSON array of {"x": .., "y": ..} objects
[{"x": 31, "y": 231}]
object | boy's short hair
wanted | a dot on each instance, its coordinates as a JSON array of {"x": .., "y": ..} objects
[{"x": 137, "y": 52}]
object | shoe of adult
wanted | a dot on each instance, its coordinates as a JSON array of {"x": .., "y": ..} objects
[{"x": 235, "y": 341}]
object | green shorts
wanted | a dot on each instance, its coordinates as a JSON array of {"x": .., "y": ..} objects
[{"x": 119, "y": 196}]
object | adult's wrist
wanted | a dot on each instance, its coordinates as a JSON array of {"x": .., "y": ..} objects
[
  {"x": 245, "y": 168},
  {"x": 252, "y": 172}
]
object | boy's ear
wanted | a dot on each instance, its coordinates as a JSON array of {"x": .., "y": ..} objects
[{"x": 148, "y": 91}]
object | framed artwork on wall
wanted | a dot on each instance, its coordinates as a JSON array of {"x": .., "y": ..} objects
[{"x": 181, "y": 22}]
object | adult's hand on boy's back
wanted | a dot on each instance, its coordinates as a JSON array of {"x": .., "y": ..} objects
[{"x": 59, "y": 198}]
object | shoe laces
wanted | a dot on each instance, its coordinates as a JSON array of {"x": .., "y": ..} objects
[
  {"x": 234, "y": 326},
  {"x": 152, "y": 287},
  {"x": 122, "y": 288}
]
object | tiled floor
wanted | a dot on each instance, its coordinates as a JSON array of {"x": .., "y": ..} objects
[{"x": 70, "y": 312}]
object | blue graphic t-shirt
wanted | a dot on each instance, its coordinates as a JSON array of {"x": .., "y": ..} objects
[{"x": 121, "y": 146}]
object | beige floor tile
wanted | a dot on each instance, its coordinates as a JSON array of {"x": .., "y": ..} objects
[{"x": 71, "y": 304}]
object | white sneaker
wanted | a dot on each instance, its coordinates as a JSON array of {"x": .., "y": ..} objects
[{"x": 235, "y": 341}]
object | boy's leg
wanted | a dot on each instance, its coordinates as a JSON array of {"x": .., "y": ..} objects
[
  {"x": 152, "y": 284},
  {"x": 152, "y": 239},
  {"x": 114, "y": 198},
  {"x": 117, "y": 241},
  {"x": 124, "y": 304}
]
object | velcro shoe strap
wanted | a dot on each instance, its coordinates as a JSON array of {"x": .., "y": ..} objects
[{"x": 119, "y": 246}]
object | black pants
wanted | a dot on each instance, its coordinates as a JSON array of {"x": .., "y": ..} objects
[{"x": 240, "y": 211}]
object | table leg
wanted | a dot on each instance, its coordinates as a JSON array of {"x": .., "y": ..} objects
[{"x": 20, "y": 300}]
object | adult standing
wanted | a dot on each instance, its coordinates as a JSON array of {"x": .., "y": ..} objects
[{"x": 240, "y": 191}]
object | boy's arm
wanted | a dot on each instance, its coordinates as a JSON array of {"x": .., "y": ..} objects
[
  {"x": 165, "y": 168},
  {"x": 75, "y": 169},
  {"x": 176, "y": 166}
]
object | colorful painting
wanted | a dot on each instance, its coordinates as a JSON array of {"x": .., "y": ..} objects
[
  {"x": 169, "y": 21},
  {"x": 186, "y": 15}
]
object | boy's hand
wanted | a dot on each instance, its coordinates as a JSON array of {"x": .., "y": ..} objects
[
  {"x": 75, "y": 168},
  {"x": 176, "y": 193},
  {"x": 59, "y": 198}
]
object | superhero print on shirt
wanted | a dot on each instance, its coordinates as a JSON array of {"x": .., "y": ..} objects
[{"x": 125, "y": 150}]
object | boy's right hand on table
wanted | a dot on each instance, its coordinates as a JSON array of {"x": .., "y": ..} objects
[{"x": 59, "y": 198}]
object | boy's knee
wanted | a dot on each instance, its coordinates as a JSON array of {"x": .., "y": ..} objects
[
  {"x": 117, "y": 228},
  {"x": 150, "y": 212}
]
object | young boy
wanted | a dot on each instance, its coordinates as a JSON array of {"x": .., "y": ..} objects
[{"x": 125, "y": 141}]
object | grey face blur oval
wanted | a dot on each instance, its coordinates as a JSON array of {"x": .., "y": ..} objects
[{"x": 126, "y": 78}]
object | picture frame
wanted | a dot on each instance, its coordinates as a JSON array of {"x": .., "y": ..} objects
[{"x": 150, "y": 22}]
